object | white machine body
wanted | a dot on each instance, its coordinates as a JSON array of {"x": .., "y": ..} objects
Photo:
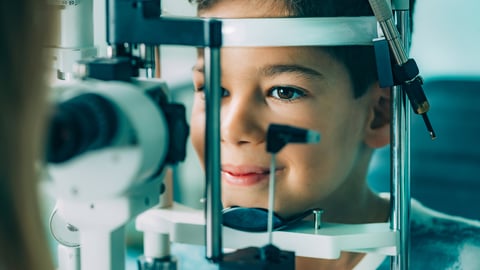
[
  {"x": 187, "y": 225},
  {"x": 99, "y": 191}
]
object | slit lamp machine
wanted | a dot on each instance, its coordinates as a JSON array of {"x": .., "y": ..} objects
[{"x": 114, "y": 132}]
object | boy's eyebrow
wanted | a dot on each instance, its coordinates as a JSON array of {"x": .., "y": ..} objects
[{"x": 274, "y": 70}]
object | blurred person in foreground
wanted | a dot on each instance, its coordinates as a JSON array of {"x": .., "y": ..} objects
[{"x": 24, "y": 31}]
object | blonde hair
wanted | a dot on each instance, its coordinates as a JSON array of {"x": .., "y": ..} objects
[{"x": 24, "y": 28}]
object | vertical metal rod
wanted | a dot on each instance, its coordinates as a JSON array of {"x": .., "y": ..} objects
[
  {"x": 213, "y": 237},
  {"x": 158, "y": 62},
  {"x": 271, "y": 199},
  {"x": 400, "y": 159},
  {"x": 147, "y": 54}
]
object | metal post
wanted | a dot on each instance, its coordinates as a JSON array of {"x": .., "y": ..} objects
[
  {"x": 213, "y": 237},
  {"x": 102, "y": 249},
  {"x": 147, "y": 55},
  {"x": 400, "y": 157},
  {"x": 271, "y": 199}
]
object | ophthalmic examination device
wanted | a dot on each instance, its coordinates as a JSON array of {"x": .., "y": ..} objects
[{"x": 114, "y": 131}]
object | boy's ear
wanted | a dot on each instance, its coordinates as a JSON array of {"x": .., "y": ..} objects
[{"x": 378, "y": 126}]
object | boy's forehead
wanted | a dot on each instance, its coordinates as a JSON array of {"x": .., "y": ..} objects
[
  {"x": 245, "y": 9},
  {"x": 293, "y": 54},
  {"x": 268, "y": 62}
]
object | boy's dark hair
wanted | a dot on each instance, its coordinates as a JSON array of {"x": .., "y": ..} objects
[{"x": 359, "y": 60}]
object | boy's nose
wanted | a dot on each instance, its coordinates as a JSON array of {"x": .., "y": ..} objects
[{"x": 241, "y": 123}]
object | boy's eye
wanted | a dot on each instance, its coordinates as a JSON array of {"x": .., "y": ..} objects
[{"x": 286, "y": 93}]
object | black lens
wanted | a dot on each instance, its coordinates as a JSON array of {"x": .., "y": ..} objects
[{"x": 83, "y": 123}]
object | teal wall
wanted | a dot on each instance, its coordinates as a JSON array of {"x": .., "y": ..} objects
[{"x": 446, "y": 37}]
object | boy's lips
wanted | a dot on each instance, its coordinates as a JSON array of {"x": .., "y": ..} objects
[{"x": 246, "y": 175}]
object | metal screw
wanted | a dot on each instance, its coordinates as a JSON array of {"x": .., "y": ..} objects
[
  {"x": 71, "y": 228},
  {"x": 317, "y": 215}
]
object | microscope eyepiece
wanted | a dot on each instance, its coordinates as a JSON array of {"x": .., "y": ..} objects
[{"x": 83, "y": 123}]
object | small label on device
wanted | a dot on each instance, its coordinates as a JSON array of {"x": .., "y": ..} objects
[{"x": 64, "y": 2}]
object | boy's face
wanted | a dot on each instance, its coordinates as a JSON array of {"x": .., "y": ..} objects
[{"x": 303, "y": 87}]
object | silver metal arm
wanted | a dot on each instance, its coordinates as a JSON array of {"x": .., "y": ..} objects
[
  {"x": 212, "y": 155},
  {"x": 400, "y": 158}
]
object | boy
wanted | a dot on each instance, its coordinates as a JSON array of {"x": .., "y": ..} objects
[{"x": 332, "y": 90}]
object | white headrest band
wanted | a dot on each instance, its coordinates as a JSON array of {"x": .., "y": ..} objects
[{"x": 318, "y": 31}]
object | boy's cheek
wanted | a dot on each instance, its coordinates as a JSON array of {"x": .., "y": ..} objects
[{"x": 197, "y": 130}]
